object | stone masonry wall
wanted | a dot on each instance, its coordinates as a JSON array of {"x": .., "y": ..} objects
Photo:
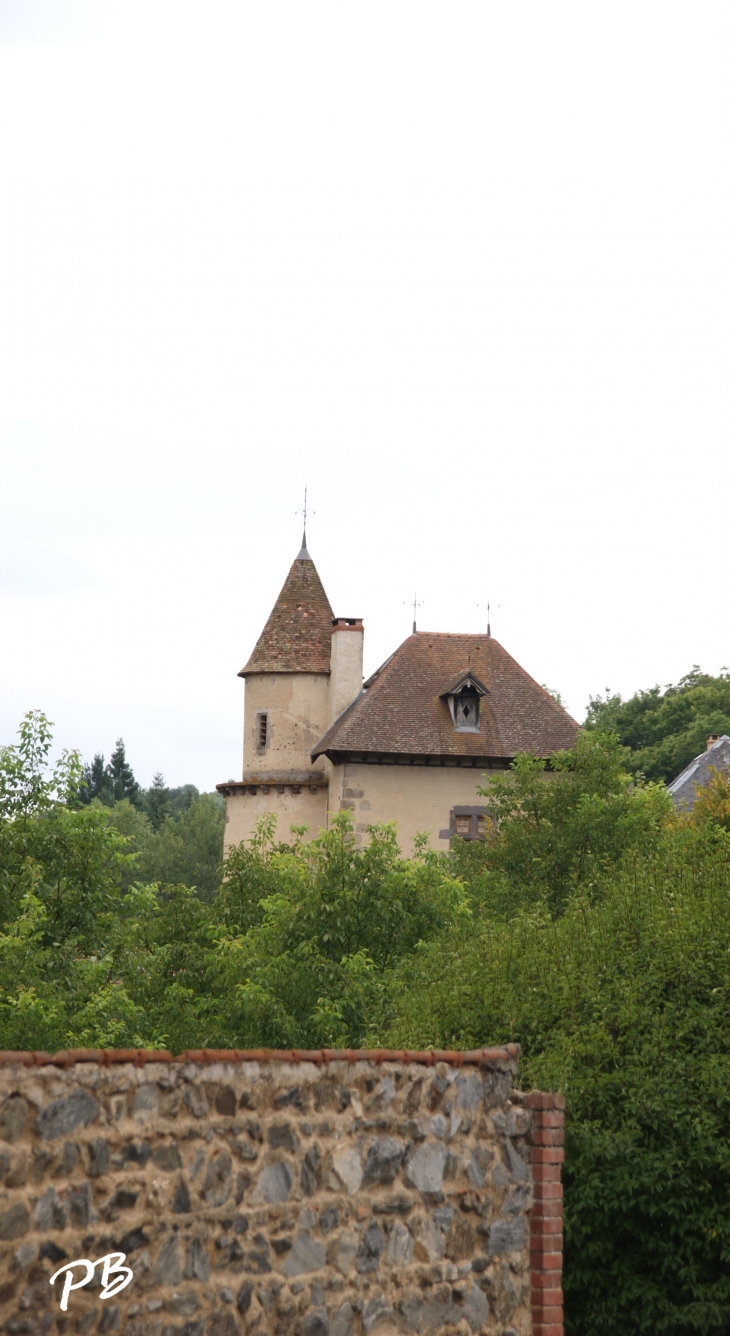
[{"x": 319, "y": 1195}]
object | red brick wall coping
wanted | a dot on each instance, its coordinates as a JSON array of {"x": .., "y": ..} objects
[
  {"x": 546, "y": 1217},
  {"x": 104, "y": 1057}
]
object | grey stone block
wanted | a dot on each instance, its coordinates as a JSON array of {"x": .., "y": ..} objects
[
  {"x": 15, "y": 1221},
  {"x": 167, "y": 1157},
  {"x": 370, "y": 1250},
  {"x": 475, "y": 1308},
  {"x": 307, "y": 1254},
  {"x": 13, "y": 1114},
  {"x": 506, "y": 1236},
  {"x": 425, "y": 1167},
  {"x": 274, "y": 1184},
  {"x": 181, "y": 1200},
  {"x": 342, "y": 1251},
  {"x": 167, "y": 1269},
  {"x": 479, "y": 1162},
  {"x": 61, "y": 1116},
  {"x": 195, "y": 1099},
  {"x": 243, "y": 1298},
  {"x": 383, "y": 1160},
  {"x": 468, "y": 1091},
  {"x": 314, "y": 1323},
  {"x": 310, "y": 1177},
  {"x": 329, "y": 1219},
  {"x": 218, "y": 1180},
  {"x": 400, "y": 1245},
  {"x": 383, "y": 1097},
  {"x": 348, "y": 1168},
  {"x": 282, "y": 1136},
  {"x": 98, "y": 1157},
  {"x": 80, "y": 1205},
  {"x": 518, "y": 1166},
  {"x": 377, "y": 1312},
  {"x": 197, "y": 1261},
  {"x": 343, "y": 1321},
  {"x": 146, "y": 1103},
  {"x": 49, "y": 1213},
  {"x": 183, "y": 1304}
]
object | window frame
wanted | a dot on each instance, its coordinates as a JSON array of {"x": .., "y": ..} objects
[{"x": 262, "y": 729}]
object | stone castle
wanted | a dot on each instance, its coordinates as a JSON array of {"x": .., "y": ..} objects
[{"x": 409, "y": 745}]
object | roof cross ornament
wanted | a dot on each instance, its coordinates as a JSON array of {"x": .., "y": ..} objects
[{"x": 304, "y": 512}]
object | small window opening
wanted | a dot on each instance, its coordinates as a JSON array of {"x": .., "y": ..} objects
[
  {"x": 481, "y": 827},
  {"x": 462, "y": 825},
  {"x": 466, "y": 710},
  {"x": 262, "y": 731}
]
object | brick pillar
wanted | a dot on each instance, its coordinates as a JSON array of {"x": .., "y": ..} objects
[{"x": 546, "y": 1216}]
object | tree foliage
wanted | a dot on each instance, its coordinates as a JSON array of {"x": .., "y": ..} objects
[
  {"x": 665, "y": 729},
  {"x": 593, "y": 927}
]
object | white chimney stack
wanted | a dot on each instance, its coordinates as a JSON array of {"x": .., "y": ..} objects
[{"x": 345, "y": 682}]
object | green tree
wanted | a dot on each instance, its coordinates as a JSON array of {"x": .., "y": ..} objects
[
  {"x": 557, "y": 831},
  {"x": 665, "y": 729}
]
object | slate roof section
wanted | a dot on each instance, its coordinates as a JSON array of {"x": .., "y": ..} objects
[
  {"x": 401, "y": 711},
  {"x": 297, "y": 638},
  {"x": 699, "y": 773}
]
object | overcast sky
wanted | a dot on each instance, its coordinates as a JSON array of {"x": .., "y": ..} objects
[{"x": 460, "y": 267}]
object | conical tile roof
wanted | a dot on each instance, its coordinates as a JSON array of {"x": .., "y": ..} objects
[{"x": 297, "y": 638}]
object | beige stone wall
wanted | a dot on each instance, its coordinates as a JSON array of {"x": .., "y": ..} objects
[
  {"x": 243, "y": 810},
  {"x": 417, "y": 798},
  {"x": 297, "y": 709},
  {"x": 318, "y": 1199}
]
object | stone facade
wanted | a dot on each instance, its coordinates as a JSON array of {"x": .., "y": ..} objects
[{"x": 317, "y": 1194}]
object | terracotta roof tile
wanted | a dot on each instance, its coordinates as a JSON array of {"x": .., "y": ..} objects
[
  {"x": 400, "y": 710},
  {"x": 297, "y": 638}
]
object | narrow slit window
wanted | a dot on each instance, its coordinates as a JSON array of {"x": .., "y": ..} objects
[
  {"x": 481, "y": 827},
  {"x": 263, "y": 731}
]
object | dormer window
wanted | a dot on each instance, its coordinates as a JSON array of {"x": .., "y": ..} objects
[
  {"x": 462, "y": 698},
  {"x": 466, "y": 711}
]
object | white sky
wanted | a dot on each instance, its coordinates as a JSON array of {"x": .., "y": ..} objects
[{"x": 461, "y": 267}]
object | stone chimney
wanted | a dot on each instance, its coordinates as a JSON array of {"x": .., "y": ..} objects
[
  {"x": 712, "y": 738},
  {"x": 345, "y": 682}
]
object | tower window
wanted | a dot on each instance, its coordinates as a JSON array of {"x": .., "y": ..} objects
[{"x": 262, "y": 731}]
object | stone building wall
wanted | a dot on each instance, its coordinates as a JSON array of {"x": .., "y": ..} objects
[{"x": 318, "y": 1194}]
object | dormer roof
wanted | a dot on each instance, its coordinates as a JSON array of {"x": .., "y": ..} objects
[
  {"x": 464, "y": 682},
  {"x": 297, "y": 638},
  {"x": 403, "y": 709}
]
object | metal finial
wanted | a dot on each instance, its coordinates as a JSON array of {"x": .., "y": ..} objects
[
  {"x": 417, "y": 603},
  {"x": 304, "y": 512}
]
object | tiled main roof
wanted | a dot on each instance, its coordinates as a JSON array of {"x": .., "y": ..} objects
[
  {"x": 401, "y": 710},
  {"x": 297, "y": 638}
]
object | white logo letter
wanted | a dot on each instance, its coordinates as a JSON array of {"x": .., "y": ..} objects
[
  {"x": 68, "y": 1285},
  {"x": 122, "y": 1279}
]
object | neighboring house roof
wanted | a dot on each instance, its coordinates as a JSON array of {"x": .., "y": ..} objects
[
  {"x": 401, "y": 709},
  {"x": 297, "y": 638},
  {"x": 699, "y": 773}
]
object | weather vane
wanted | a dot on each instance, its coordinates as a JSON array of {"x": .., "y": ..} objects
[
  {"x": 305, "y": 511},
  {"x": 417, "y": 603},
  {"x": 481, "y": 605}
]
